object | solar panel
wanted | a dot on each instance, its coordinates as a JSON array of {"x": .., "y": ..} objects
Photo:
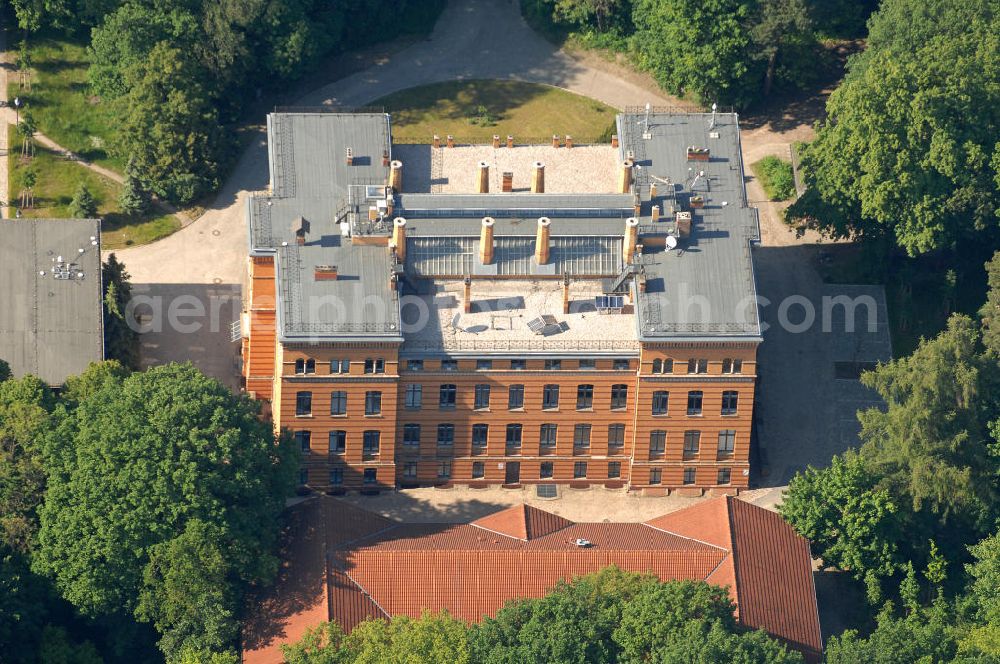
[
  {"x": 546, "y": 491},
  {"x": 536, "y": 325}
]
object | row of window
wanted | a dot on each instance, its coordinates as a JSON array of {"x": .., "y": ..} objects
[
  {"x": 377, "y": 365},
  {"x": 444, "y": 468},
  {"x": 548, "y": 433},
  {"x": 308, "y": 366},
  {"x": 698, "y": 366},
  {"x": 448, "y": 395},
  {"x": 661, "y": 402},
  {"x": 619, "y": 364}
]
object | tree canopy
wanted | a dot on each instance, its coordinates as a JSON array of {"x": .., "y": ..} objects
[
  {"x": 163, "y": 496},
  {"x": 909, "y": 148}
]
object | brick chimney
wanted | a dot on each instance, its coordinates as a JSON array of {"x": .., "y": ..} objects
[
  {"x": 538, "y": 178},
  {"x": 507, "y": 182},
  {"x": 631, "y": 239},
  {"x": 566, "y": 294},
  {"x": 542, "y": 241},
  {"x": 396, "y": 175},
  {"x": 625, "y": 176},
  {"x": 325, "y": 273},
  {"x": 486, "y": 241},
  {"x": 467, "y": 299},
  {"x": 483, "y": 178},
  {"x": 399, "y": 238}
]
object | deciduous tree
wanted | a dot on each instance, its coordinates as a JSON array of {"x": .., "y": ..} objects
[
  {"x": 909, "y": 147},
  {"x": 132, "y": 467}
]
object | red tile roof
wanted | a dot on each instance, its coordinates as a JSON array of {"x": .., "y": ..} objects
[
  {"x": 371, "y": 566},
  {"x": 523, "y": 522}
]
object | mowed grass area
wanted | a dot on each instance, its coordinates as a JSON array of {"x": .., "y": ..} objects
[
  {"x": 61, "y": 103},
  {"x": 57, "y": 181},
  {"x": 473, "y": 111}
]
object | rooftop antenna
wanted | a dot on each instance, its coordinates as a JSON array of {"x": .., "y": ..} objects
[
  {"x": 711, "y": 125},
  {"x": 645, "y": 123},
  {"x": 697, "y": 177}
]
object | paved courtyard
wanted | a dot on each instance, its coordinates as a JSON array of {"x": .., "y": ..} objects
[{"x": 804, "y": 412}]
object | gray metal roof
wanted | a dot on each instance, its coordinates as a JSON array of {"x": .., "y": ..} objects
[
  {"x": 359, "y": 303},
  {"x": 499, "y": 205},
  {"x": 50, "y": 327},
  {"x": 702, "y": 290},
  {"x": 514, "y": 256},
  {"x": 705, "y": 288}
]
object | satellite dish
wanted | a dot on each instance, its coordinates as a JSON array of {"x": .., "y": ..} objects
[
  {"x": 455, "y": 320},
  {"x": 671, "y": 242}
]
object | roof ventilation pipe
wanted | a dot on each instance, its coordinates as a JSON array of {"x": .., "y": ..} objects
[{"x": 542, "y": 241}]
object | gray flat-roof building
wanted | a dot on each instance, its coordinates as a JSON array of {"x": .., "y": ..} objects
[{"x": 51, "y": 317}]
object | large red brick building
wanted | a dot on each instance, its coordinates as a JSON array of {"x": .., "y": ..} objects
[
  {"x": 346, "y": 564},
  {"x": 412, "y": 337}
]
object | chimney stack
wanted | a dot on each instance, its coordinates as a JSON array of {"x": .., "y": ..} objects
[
  {"x": 625, "y": 176},
  {"x": 614, "y": 140},
  {"x": 510, "y": 141},
  {"x": 325, "y": 273},
  {"x": 631, "y": 239},
  {"x": 399, "y": 238},
  {"x": 542, "y": 241},
  {"x": 301, "y": 228},
  {"x": 538, "y": 178},
  {"x": 656, "y": 213},
  {"x": 507, "y": 184},
  {"x": 496, "y": 141},
  {"x": 652, "y": 191},
  {"x": 486, "y": 241},
  {"x": 350, "y": 157},
  {"x": 569, "y": 141},
  {"x": 467, "y": 304},
  {"x": 450, "y": 141},
  {"x": 396, "y": 175},
  {"x": 436, "y": 142},
  {"x": 483, "y": 178}
]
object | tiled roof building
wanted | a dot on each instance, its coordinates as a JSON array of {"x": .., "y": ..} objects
[{"x": 346, "y": 564}]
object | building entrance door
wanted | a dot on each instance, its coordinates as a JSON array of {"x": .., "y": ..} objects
[{"x": 513, "y": 472}]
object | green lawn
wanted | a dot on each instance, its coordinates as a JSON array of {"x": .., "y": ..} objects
[
  {"x": 61, "y": 103},
  {"x": 528, "y": 111},
  {"x": 57, "y": 180}
]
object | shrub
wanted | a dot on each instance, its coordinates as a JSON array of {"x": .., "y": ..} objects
[{"x": 775, "y": 177}]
